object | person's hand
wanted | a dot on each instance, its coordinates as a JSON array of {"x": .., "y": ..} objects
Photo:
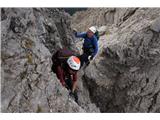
[
  {"x": 64, "y": 84},
  {"x": 74, "y": 30},
  {"x": 90, "y": 57}
]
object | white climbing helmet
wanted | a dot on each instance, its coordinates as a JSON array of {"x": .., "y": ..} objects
[
  {"x": 74, "y": 62},
  {"x": 93, "y": 29}
]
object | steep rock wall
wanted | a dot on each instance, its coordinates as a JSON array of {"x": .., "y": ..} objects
[
  {"x": 125, "y": 75},
  {"x": 29, "y": 38}
]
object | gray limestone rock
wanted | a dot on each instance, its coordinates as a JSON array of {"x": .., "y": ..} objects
[{"x": 29, "y": 38}]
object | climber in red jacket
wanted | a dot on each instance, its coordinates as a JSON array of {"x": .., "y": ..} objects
[
  {"x": 66, "y": 66},
  {"x": 68, "y": 71}
]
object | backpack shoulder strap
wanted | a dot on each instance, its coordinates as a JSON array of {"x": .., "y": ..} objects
[{"x": 97, "y": 35}]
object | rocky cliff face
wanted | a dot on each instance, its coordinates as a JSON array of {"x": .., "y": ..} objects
[
  {"x": 125, "y": 75},
  {"x": 101, "y": 16},
  {"x": 29, "y": 38}
]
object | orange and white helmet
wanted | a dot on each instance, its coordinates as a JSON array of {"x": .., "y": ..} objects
[{"x": 74, "y": 62}]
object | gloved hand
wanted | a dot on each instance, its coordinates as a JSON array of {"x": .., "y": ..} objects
[
  {"x": 74, "y": 30},
  {"x": 90, "y": 57}
]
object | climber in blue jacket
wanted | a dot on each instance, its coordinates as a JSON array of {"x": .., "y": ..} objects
[{"x": 90, "y": 45}]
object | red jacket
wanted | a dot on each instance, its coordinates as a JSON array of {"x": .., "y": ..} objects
[{"x": 61, "y": 75}]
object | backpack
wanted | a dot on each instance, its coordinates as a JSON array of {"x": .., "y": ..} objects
[
  {"x": 97, "y": 35},
  {"x": 60, "y": 58}
]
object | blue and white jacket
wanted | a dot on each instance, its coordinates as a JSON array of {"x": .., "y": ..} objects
[{"x": 88, "y": 41}]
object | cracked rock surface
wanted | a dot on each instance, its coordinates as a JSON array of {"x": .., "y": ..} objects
[
  {"x": 125, "y": 75},
  {"x": 29, "y": 38}
]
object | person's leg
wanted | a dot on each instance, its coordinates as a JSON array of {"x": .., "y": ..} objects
[
  {"x": 53, "y": 68},
  {"x": 84, "y": 59},
  {"x": 76, "y": 96},
  {"x": 69, "y": 83}
]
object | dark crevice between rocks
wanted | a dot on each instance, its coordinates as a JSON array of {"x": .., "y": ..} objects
[
  {"x": 131, "y": 12},
  {"x": 10, "y": 103},
  {"x": 127, "y": 16},
  {"x": 104, "y": 97},
  {"x": 92, "y": 88},
  {"x": 17, "y": 26},
  {"x": 3, "y": 14},
  {"x": 153, "y": 102},
  {"x": 109, "y": 103}
]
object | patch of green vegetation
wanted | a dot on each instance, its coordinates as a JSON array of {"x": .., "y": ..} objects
[
  {"x": 39, "y": 109},
  {"x": 29, "y": 43},
  {"x": 71, "y": 11},
  {"x": 108, "y": 33},
  {"x": 23, "y": 75},
  {"x": 58, "y": 92},
  {"x": 103, "y": 54},
  {"x": 30, "y": 58}
]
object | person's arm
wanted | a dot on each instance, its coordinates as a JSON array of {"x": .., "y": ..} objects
[
  {"x": 95, "y": 44},
  {"x": 59, "y": 74},
  {"x": 80, "y": 34},
  {"x": 74, "y": 82}
]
